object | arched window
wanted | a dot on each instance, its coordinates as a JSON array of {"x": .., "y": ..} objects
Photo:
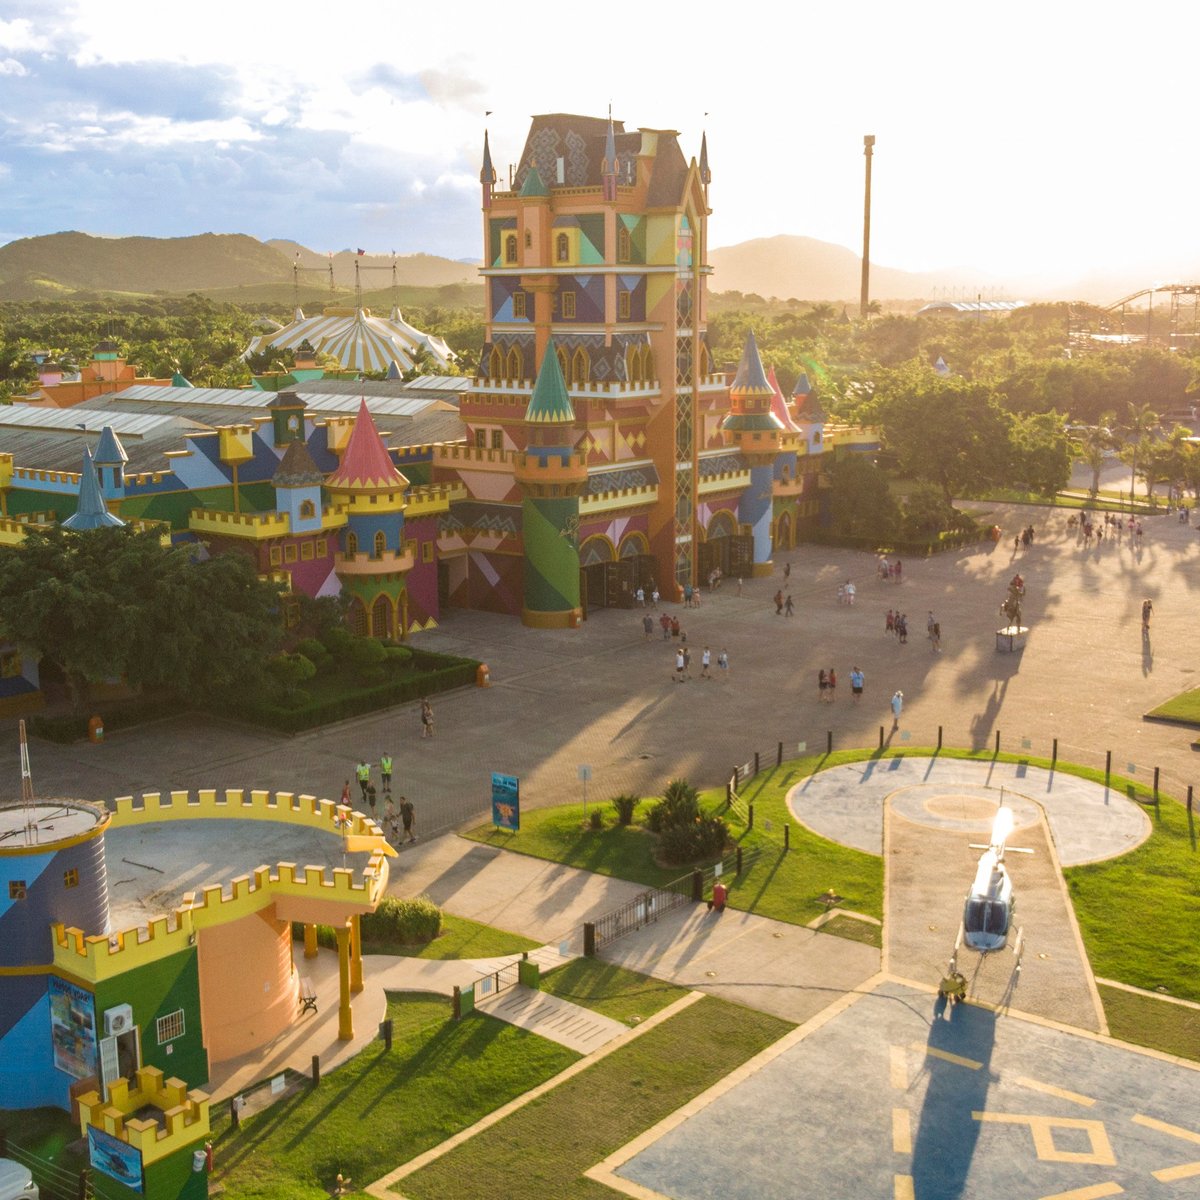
[
  {"x": 703, "y": 359},
  {"x": 563, "y": 365},
  {"x": 514, "y": 371},
  {"x": 510, "y": 248},
  {"x": 580, "y": 367},
  {"x": 351, "y": 543},
  {"x": 562, "y": 248},
  {"x": 495, "y": 364},
  {"x": 380, "y": 544},
  {"x": 307, "y": 508},
  {"x": 624, "y": 244}
]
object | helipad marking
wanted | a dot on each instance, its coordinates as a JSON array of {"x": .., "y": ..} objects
[
  {"x": 1171, "y": 1174},
  {"x": 901, "y": 1131},
  {"x": 1042, "y": 1129},
  {"x": 899, "y": 1068},
  {"x": 1089, "y": 1193},
  {"x": 902, "y": 1187},
  {"x": 946, "y": 1056},
  {"x": 1050, "y": 1090}
]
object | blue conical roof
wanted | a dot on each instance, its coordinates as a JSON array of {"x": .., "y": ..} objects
[
  {"x": 750, "y": 375},
  {"x": 550, "y": 404},
  {"x": 91, "y": 513},
  {"x": 803, "y": 387},
  {"x": 109, "y": 451}
]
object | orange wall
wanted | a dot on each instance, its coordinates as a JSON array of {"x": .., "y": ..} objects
[{"x": 247, "y": 989}]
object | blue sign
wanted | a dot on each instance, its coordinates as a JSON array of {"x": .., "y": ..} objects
[
  {"x": 115, "y": 1158},
  {"x": 506, "y": 801}
]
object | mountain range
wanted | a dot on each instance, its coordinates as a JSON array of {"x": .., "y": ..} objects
[{"x": 232, "y": 266}]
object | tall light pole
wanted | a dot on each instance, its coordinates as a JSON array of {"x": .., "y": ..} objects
[{"x": 865, "y": 300}]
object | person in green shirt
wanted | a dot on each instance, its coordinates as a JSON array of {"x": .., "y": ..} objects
[
  {"x": 363, "y": 774},
  {"x": 385, "y": 770}
]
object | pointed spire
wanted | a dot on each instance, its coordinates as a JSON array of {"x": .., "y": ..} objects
[
  {"x": 487, "y": 173},
  {"x": 705, "y": 173},
  {"x": 779, "y": 404},
  {"x": 533, "y": 185},
  {"x": 180, "y": 380},
  {"x": 109, "y": 451},
  {"x": 91, "y": 512},
  {"x": 296, "y": 468},
  {"x": 750, "y": 375},
  {"x": 550, "y": 404},
  {"x": 366, "y": 463},
  {"x": 803, "y": 388}
]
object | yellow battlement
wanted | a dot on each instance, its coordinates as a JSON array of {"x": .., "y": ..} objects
[
  {"x": 34, "y": 475},
  {"x": 185, "y": 1114},
  {"x": 429, "y": 498},
  {"x": 95, "y": 958}
]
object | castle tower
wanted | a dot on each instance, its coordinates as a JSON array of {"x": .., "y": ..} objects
[
  {"x": 754, "y": 429},
  {"x": 373, "y": 559},
  {"x": 551, "y": 477},
  {"x": 287, "y": 418},
  {"x": 487, "y": 173},
  {"x": 297, "y": 482},
  {"x": 110, "y": 459}
]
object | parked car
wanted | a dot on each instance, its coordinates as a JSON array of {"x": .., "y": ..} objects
[{"x": 16, "y": 1181}]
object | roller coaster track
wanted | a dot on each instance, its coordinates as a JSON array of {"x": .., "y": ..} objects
[{"x": 1176, "y": 289}]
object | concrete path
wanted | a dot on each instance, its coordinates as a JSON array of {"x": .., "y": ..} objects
[
  {"x": 787, "y": 970},
  {"x": 560, "y": 1021},
  {"x": 846, "y": 804}
]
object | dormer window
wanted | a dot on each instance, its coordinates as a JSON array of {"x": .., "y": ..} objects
[
  {"x": 510, "y": 248},
  {"x": 624, "y": 245},
  {"x": 562, "y": 248}
]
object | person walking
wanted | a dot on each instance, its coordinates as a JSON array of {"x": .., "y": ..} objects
[
  {"x": 679, "y": 664},
  {"x": 648, "y": 626},
  {"x": 723, "y": 659},
  {"x": 665, "y": 622},
  {"x": 408, "y": 818},
  {"x": 787, "y": 571},
  {"x": 788, "y": 607},
  {"x": 705, "y": 664},
  {"x": 779, "y": 602},
  {"x": 363, "y": 773},
  {"x": 936, "y": 637},
  {"x": 372, "y": 796},
  {"x": 346, "y": 793},
  {"x": 856, "y": 684},
  {"x": 385, "y": 772},
  {"x": 929, "y": 624},
  {"x": 822, "y": 685},
  {"x": 1147, "y": 611},
  {"x": 832, "y": 686},
  {"x": 654, "y": 595},
  {"x": 641, "y": 597},
  {"x": 890, "y": 626},
  {"x": 902, "y": 628},
  {"x": 687, "y": 660},
  {"x": 389, "y": 819},
  {"x": 897, "y": 707},
  {"x": 426, "y": 719}
]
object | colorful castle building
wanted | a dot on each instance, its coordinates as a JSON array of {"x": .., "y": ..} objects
[{"x": 596, "y": 450}]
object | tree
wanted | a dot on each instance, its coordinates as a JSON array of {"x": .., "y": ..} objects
[
  {"x": 1139, "y": 425},
  {"x": 1093, "y": 446},
  {"x": 860, "y": 503},
  {"x": 116, "y": 604},
  {"x": 946, "y": 431},
  {"x": 1041, "y": 453}
]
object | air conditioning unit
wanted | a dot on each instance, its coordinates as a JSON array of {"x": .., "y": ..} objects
[{"x": 118, "y": 1020}]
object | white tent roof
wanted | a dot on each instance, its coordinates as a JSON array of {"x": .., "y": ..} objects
[{"x": 358, "y": 340}]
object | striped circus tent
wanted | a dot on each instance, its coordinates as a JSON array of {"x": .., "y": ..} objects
[{"x": 358, "y": 340}]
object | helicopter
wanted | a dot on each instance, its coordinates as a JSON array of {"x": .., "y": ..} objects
[{"x": 988, "y": 909}]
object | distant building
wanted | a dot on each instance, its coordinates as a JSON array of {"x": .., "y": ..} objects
[{"x": 971, "y": 308}]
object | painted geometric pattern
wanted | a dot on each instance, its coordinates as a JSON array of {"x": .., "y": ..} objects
[
  {"x": 722, "y": 464},
  {"x": 621, "y": 478},
  {"x": 496, "y": 228},
  {"x": 685, "y": 483},
  {"x": 589, "y": 298},
  {"x": 634, "y": 439},
  {"x": 589, "y": 241},
  {"x": 683, "y": 302},
  {"x": 550, "y": 529},
  {"x": 683, "y": 243},
  {"x": 635, "y": 287},
  {"x": 500, "y": 293},
  {"x": 637, "y": 236},
  {"x": 523, "y": 343},
  {"x": 683, "y": 362},
  {"x": 484, "y": 518}
]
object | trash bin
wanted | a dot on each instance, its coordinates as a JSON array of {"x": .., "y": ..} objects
[
  {"x": 96, "y": 729},
  {"x": 483, "y": 677},
  {"x": 720, "y": 892}
]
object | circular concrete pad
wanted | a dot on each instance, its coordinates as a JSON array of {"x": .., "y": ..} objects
[
  {"x": 966, "y": 809},
  {"x": 1088, "y": 821}
]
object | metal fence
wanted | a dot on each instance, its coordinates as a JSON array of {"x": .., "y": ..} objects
[
  {"x": 492, "y": 983},
  {"x": 55, "y": 1181}
]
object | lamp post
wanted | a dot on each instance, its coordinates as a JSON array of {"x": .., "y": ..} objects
[{"x": 865, "y": 299}]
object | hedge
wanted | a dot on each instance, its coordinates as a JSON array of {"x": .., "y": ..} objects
[
  {"x": 448, "y": 673},
  {"x": 120, "y": 714},
  {"x": 912, "y": 548}
]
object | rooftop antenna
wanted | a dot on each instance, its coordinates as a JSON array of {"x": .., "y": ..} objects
[{"x": 27, "y": 790}]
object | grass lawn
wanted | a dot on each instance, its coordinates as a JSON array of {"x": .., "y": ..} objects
[
  {"x": 1184, "y": 708},
  {"x": 49, "y": 1134},
  {"x": 623, "y": 995},
  {"x": 1145, "y": 1021},
  {"x": 785, "y": 886},
  {"x": 460, "y": 938},
  {"x": 855, "y": 931},
  {"x": 380, "y": 1109},
  {"x": 543, "y": 1149}
]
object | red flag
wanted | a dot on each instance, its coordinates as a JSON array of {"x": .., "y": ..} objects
[{"x": 361, "y": 252}]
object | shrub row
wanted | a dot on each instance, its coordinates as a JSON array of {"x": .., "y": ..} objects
[
  {"x": 395, "y": 923},
  {"x": 448, "y": 673},
  {"x": 913, "y": 548}
]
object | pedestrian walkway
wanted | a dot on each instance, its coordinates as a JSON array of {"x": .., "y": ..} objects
[{"x": 560, "y": 1021}]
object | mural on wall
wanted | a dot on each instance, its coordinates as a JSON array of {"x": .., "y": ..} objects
[
  {"x": 72, "y": 1028},
  {"x": 115, "y": 1158}
]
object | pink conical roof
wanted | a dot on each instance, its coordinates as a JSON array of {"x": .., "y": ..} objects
[
  {"x": 366, "y": 462},
  {"x": 779, "y": 405}
]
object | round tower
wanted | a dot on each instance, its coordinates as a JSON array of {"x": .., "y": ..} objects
[
  {"x": 373, "y": 561},
  {"x": 551, "y": 477}
]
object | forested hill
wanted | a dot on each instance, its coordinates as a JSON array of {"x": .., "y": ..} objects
[{"x": 57, "y": 264}]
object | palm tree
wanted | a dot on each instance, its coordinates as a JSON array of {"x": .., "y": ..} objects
[
  {"x": 1138, "y": 427},
  {"x": 1092, "y": 446}
]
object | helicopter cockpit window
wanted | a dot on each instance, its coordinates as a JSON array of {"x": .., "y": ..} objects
[{"x": 986, "y": 916}]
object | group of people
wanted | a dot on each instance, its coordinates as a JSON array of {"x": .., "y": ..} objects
[
  {"x": 654, "y": 597},
  {"x": 683, "y": 663},
  {"x": 846, "y": 592},
  {"x": 1116, "y": 527},
  {"x": 783, "y": 605},
  {"x": 395, "y": 818},
  {"x": 889, "y": 571},
  {"x": 827, "y": 685},
  {"x": 897, "y": 623},
  {"x": 1024, "y": 538}
]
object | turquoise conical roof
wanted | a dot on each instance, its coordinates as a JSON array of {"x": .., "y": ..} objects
[
  {"x": 533, "y": 185},
  {"x": 550, "y": 404},
  {"x": 109, "y": 451},
  {"x": 91, "y": 513}
]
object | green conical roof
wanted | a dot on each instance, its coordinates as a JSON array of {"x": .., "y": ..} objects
[
  {"x": 550, "y": 404},
  {"x": 533, "y": 185}
]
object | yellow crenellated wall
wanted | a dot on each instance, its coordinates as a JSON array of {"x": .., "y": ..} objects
[{"x": 185, "y": 1114}]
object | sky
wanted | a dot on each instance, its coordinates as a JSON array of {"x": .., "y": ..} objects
[{"x": 1049, "y": 138}]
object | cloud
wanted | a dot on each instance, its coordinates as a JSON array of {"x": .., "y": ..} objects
[
  {"x": 19, "y": 35},
  {"x": 10, "y": 66},
  {"x": 452, "y": 87}
]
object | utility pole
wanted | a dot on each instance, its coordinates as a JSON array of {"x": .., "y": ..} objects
[{"x": 868, "y": 143}]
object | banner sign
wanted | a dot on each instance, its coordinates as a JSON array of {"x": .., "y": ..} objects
[
  {"x": 72, "y": 1028},
  {"x": 115, "y": 1158},
  {"x": 506, "y": 801}
]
